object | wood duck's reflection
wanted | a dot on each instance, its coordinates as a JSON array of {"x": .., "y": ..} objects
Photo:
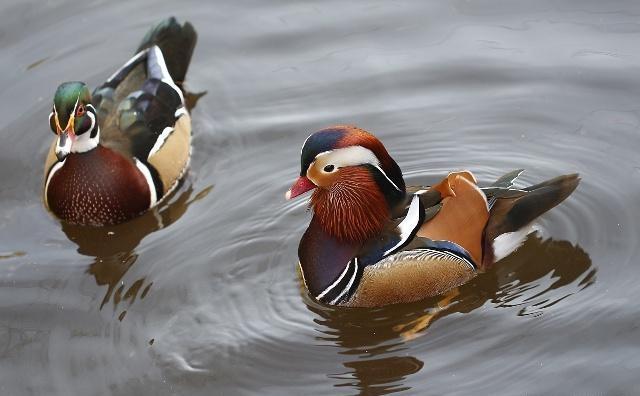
[
  {"x": 373, "y": 341},
  {"x": 114, "y": 247}
]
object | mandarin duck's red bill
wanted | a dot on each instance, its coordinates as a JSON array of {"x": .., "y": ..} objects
[
  {"x": 120, "y": 151},
  {"x": 373, "y": 241},
  {"x": 300, "y": 186}
]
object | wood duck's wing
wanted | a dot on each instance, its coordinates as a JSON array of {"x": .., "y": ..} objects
[{"x": 138, "y": 104}]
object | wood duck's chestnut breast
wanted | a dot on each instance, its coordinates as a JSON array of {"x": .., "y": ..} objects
[{"x": 97, "y": 187}]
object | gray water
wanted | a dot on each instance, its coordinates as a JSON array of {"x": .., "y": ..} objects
[{"x": 210, "y": 302}]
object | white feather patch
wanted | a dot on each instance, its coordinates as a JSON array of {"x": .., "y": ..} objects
[
  {"x": 54, "y": 169},
  {"x": 135, "y": 58},
  {"x": 331, "y": 286},
  {"x": 160, "y": 141},
  {"x": 507, "y": 243},
  {"x": 410, "y": 222},
  {"x": 353, "y": 156},
  {"x": 156, "y": 65},
  {"x": 350, "y": 284},
  {"x": 147, "y": 175}
]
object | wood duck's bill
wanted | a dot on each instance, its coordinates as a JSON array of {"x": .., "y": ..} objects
[
  {"x": 301, "y": 186},
  {"x": 66, "y": 136}
]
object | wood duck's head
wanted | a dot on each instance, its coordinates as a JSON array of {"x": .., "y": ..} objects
[
  {"x": 356, "y": 183},
  {"x": 73, "y": 119}
]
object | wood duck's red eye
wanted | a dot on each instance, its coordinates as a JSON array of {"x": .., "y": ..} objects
[{"x": 80, "y": 110}]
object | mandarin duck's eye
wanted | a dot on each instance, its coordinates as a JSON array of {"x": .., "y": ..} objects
[
  {"x": 80, "y": 110},
  {"x": 329, "y": 168}
]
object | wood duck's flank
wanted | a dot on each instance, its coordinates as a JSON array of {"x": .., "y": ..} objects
[
  {"x": 119, "y": 151},
  {"x": 372, "y": 241}
]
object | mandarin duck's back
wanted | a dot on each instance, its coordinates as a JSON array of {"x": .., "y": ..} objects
[
  {"x": 372, "y": 241},
  {"x": 121, "y": 150}
]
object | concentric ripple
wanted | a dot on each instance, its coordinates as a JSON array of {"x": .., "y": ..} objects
[{"x": 201, "y": 296}]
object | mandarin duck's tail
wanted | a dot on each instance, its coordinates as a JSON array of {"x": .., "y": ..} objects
[
  {"x": 513, "y": 210},
  {"x": 176, "y": 43}
]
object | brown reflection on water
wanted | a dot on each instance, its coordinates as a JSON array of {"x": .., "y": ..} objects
[
  {"x": 114, "y": 247},
  {"x": 375, "y": 342}
]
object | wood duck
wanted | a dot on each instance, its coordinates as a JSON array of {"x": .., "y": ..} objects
[
  {"x": 120, "y": 151},
  {"x": 372, "y": 241}
]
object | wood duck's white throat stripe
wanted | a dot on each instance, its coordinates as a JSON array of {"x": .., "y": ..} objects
[{"x": 88, "y": 140}]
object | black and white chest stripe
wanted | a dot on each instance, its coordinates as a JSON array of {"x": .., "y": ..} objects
[
  {"x": 402, "y": 246},
  {"x": 347, "y": 282}
]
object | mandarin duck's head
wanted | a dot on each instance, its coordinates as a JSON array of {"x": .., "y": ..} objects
[
  {"x": 356, "y": 183},
  {"x": 73, "y": 119}
]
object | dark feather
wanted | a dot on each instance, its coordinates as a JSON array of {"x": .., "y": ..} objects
[
  {"x": 134, "y": 106},
  {"x": 512, "y": 213},
  {"x": 176, "y": 43}
]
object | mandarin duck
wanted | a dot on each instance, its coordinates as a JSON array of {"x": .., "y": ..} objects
[
  {"x": 372, "y": 241},
  {"x": 119, "y": 151}
]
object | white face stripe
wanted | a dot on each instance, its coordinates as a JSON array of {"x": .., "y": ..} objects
[
  {"x": 387, "y": 177},
  {"x": 85, "y": 142},
  {"x": 72, "y": 116},
  {"x": 349, "y": 156},
  {"x": 353, "y": 156},
  {"x": 305, "y": 143},
  {"x": 147, "y": 175},
  {"x": 55, "y": 111}
]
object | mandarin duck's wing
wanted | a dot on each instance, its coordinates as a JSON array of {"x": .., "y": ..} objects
[
  {"x": 398, "y": 234},
  {"x": 513, "y": 209},
  {"x": 430, "y": 200},
  {"x": 503, "y": 188}
]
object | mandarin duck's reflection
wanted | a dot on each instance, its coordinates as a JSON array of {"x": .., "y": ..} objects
[
  {"x": 374, "y": 341},
  {"x": 113, "y": 247}
]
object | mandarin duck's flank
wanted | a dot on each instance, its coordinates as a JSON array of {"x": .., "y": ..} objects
[
  {"x": 123, "y": 149},
  {"x": 372, "y": 241}
]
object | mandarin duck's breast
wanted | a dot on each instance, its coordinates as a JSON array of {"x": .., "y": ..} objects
[{"x": 97, "y": 187}]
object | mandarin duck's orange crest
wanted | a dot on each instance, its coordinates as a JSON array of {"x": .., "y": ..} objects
[{"x": 357, "y": 184}]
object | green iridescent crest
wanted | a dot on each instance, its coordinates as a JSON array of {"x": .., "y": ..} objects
[{"x": 72, "y": 98}]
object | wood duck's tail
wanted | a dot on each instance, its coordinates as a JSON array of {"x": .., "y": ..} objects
[
  {"x": 176, "y": 43},
  {"x": 513, "y": 210}
]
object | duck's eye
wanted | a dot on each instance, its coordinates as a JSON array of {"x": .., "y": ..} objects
[
  {"x": 80, "y": 110},
  {"x": 329, "y": 168}
]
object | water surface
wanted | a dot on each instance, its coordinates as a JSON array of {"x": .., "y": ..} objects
[{"x": 207, "y": 300}]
